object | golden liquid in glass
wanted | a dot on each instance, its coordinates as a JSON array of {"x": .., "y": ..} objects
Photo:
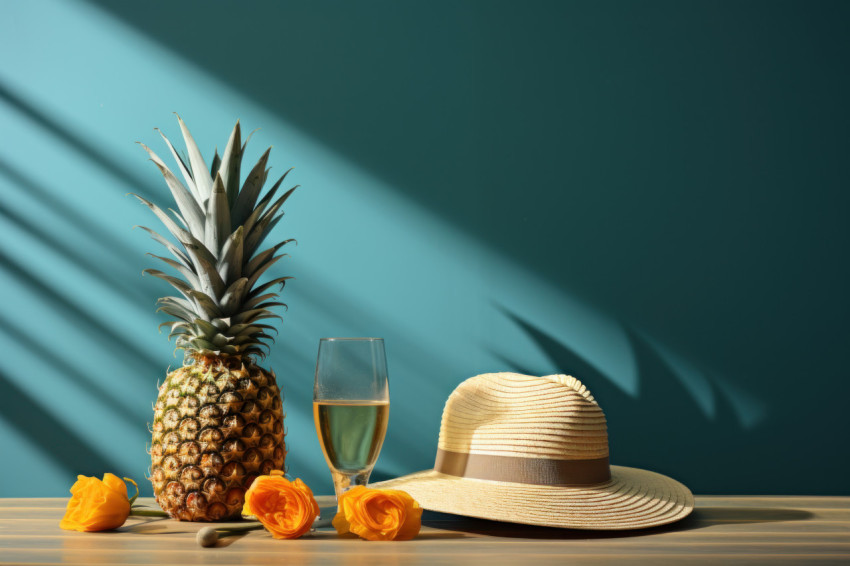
[{"x": 351, "y": 432}]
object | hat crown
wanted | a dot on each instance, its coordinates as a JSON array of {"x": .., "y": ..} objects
[{"x": 509, "y": 414}]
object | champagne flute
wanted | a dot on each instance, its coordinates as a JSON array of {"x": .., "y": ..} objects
[{"x": 351, "y": 406}]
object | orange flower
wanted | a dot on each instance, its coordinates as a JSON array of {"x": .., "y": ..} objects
[
  {"x": 287, "y": 509},
  {"x": 378, "y": 514},
  {"x": 96, "y": 505}
]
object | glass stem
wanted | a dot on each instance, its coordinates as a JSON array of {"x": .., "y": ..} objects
[{"x": 344, "y": 481}]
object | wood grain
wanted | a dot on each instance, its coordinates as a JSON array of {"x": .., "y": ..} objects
[{"x": 729, "y": 530}]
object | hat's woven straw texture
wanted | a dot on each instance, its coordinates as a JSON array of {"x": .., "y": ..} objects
[
  {"x": 553, "y": 417},
  {"x": 516, "y": 415}
]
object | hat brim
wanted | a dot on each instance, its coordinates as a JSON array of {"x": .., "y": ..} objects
[{"x": 632, "y": 499}]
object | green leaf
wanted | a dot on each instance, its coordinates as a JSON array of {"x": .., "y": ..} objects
[
  {"x": 176, "y": 310},
  {"x": 183, "y": 269},
  {"x": 266, "y": 327},
  {"x": 184, "y": 169},
  {"x": 254, "y": 315},
  {"x": 252, "y": 303},
  {"x": 198, "y": 247},
  {"x": 261, "y": 258},
  {"x": 238, "y": 329},
  {"x": 253, "y": 339},
  {"x": 211, "y": 282},
  {"x": 246, "y": 330},
  {"x": 182, "y": 303},
  {"x": 245, "y": 317},
  {"x": 272, "y": 211},
  {"x": 180, "y": 329},
  {"x": 259, "y": 233},
  {"x": 180, "y": 325},
  {"x": 204, "y": 328},
  {"x": 266, "y": 314},
  {"x": 206, "y": 305},
  {"x": 244, "y": 145},
  {"x": 262, "y": 269},
  {"x": 178, "y": 284},
  {"x": 184, "y": 259},
  {"x": 216, "y": 164},
  {"x": 201, "y": 345},
  {"x": 244, "y": 204},
  {"x": 258, "y": 213},
  {"x": 249, "y": 224},
  {"x": 166, "y": 323},
  {"x": 182, "y": 235},
  {"x": 217, "y": 227},
  {"x": 179, "y": 218},
  {"x": 273, "y": 191},
  {"x": 271, "y": 304},
  {"x": 229, "y": 265},
  {"x": 230, "y": 164},
  {"x": 203, "y": 183},
  {"x": 186, "y": 202},
  {"x": 278, "y": 281},
  {"x": 279, "y": 202},
  {"x": 257, "y": 350},
  {"x": 233, "y": 297}
]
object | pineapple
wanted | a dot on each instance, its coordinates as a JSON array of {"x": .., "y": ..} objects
[{"x": 218, "y": 420}]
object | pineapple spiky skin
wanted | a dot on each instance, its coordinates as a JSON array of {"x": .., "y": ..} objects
[
  {"x": 218, "y": 421},
  {"x": 218, "y": 424}
]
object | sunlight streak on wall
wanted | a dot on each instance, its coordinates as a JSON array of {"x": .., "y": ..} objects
[{"x": 369, "y": 262}]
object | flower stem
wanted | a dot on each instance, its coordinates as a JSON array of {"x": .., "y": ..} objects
[
  {"x": 133, "y": 499},
  {"x": 240, "y": 528},
  {"x": 137, "y": 512}
]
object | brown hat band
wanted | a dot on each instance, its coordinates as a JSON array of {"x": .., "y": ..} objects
[{"x": 537, "y": 471}]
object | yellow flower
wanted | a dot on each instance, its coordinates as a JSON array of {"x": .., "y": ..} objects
[
  {"x": 287, "y": 509},
  {"x": 96, "y": 505},
  {"x": 378, "y": 514}
]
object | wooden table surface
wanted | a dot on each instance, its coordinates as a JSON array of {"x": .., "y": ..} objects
[{"x": 722, "y": 530}]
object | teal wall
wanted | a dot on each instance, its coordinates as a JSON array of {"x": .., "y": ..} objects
[{"x": 651, "y": 196}]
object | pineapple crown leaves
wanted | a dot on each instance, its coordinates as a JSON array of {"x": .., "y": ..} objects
[{"x": 219, "y": 227}]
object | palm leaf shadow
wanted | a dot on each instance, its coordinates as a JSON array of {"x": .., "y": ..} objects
[
  {"x": 78, "y": 315},
  {"x": 116, "y": 283},
  {"x": 49, "y": 434},
  {"x": 663, "y": 418},
  {"x": 76, "y": 143},
  {"x": 121, "y": 408},
  {"x": 46, "y": 198}
]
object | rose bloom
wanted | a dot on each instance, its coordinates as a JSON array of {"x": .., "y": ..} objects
[
  {"x": 287, "y": 509},
  {"x": 378, "y": 514},
  {"x": 96, "y": 505}
]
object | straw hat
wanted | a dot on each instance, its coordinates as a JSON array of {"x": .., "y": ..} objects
[{"x": 534, "y": 450}]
